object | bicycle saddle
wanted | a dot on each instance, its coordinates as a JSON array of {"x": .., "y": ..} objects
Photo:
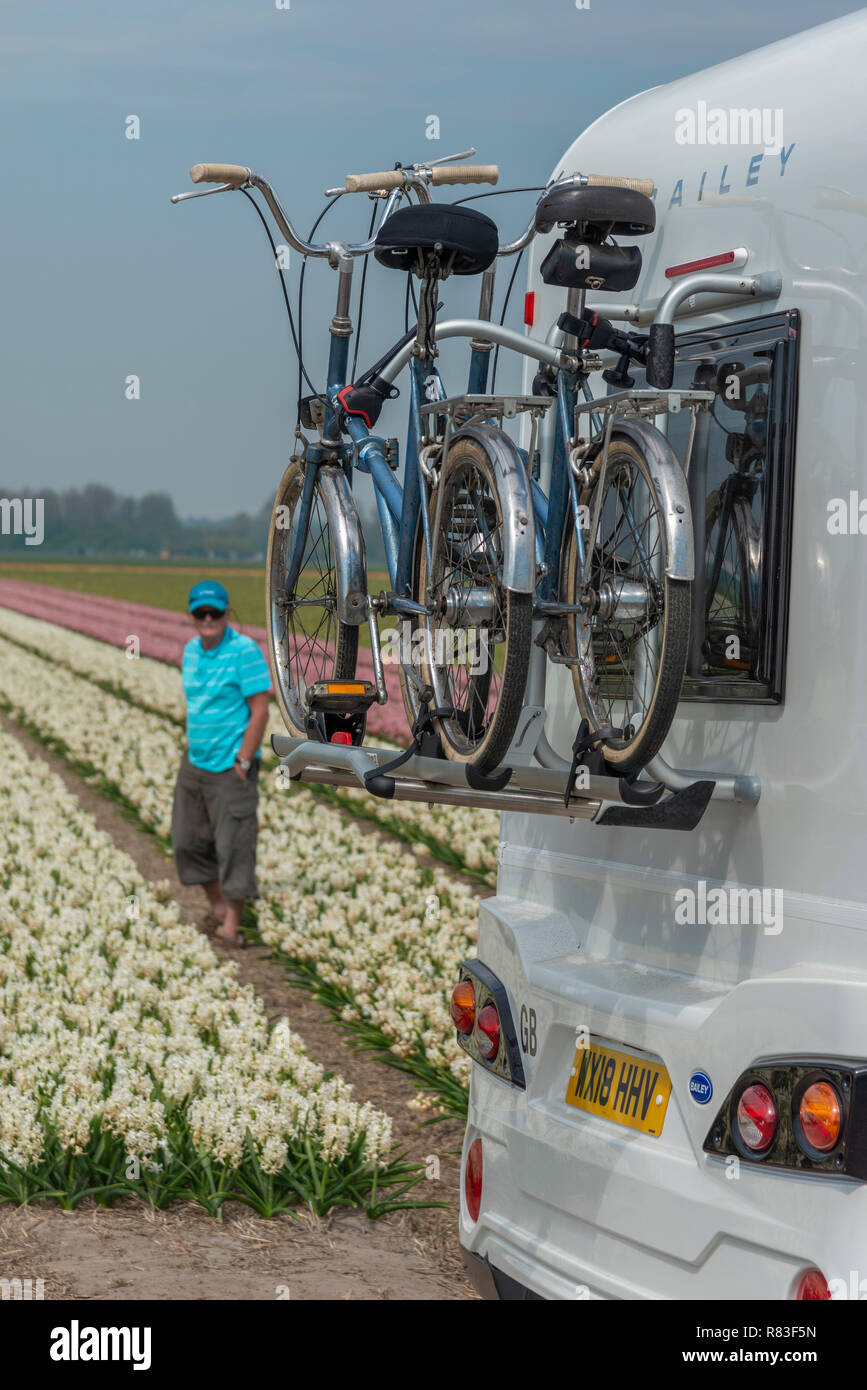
[
  {"x": 406, "y": 240},
  {"x": 611, "y": 211}
]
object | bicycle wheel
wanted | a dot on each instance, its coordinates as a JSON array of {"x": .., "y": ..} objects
[
  {"x": 307, "y": 642},
  {"x": 476, "y": 648},
  {"x": 733, "y": 577},
  {"x": 629, "y": 645}
]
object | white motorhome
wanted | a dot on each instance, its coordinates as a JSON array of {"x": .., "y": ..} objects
[{"x": 716, "y": 978}]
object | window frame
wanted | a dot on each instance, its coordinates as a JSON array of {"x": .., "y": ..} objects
[{"x": 780, "y": 330}]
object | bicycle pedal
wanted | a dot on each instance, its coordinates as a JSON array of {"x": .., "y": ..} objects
[{"x": 344, "y": 697}]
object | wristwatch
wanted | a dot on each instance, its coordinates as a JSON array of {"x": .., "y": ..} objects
[{"x": 244, "y": 763}]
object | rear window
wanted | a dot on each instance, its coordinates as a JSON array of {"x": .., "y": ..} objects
[{"x": 741, "y": 482}]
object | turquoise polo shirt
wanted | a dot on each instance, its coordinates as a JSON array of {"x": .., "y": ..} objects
[{"x": 217, "y": 684}]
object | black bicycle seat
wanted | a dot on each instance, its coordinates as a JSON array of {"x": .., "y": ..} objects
[
  {"x": 469, "y": 239},
  {"x": 612, "y": 211}
]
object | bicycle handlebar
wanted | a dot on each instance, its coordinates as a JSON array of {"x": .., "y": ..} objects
[
  {"x": 375, "y": 183},
  {"x": 443, "y": 173},
  {"x": 465, "y": 173},
  {"x": 395, "y": 182},
  {"x": 233, "y": 174}
]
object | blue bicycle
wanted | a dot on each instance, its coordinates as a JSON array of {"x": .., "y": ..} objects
[{"x": 488, "y": 561}]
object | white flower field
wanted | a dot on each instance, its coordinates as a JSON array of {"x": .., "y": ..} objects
[
  {"x": 126, "y": 1046},
  {"x": 131, "y": 1058}
]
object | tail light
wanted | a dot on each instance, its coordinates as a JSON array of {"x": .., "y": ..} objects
[
  {"x": 756, "y": 1118},
  {"x": 342, "y": 737},
  {"x": 820, "y": 1116},
  {"x": 488, "y": 1028},
  {"x": 482, "y": 1016},
  {"x": 813, "y": 1287},
  {"x": 463, "y": 1007},
  {"x": 473, "y": 1179},
  {"x": 797, "y": 1114}
]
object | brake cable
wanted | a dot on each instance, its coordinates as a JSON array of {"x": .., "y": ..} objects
[{"x": 295, "y": 337}]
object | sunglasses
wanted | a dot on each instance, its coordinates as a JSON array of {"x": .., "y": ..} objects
[{"x": 202, "y": 615}]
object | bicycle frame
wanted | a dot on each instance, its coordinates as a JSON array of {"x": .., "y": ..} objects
[{"x": 398, "y": 505}]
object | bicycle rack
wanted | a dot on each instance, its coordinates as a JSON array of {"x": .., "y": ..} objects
[
  {"x": 533, "y": 776},
  {"x": 472, "y": 409},
  {"x": 538, "y": 790}
]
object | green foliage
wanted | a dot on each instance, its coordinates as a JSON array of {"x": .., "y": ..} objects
[{"x": 104, "y": 1171}]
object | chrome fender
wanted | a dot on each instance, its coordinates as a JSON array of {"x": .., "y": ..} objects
[
  {"x": 516, "y": 499},
  {"x": 350, "y": 560},
  {"x": 671, "y": 485}
]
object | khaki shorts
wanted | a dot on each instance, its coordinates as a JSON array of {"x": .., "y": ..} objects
[{"x": 214, "y": 828}]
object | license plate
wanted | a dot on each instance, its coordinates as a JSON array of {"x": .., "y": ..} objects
[{"x": 619, "y": 1086}]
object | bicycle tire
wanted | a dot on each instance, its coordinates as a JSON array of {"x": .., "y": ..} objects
[
  {"x": 327, "y": 657},
  {"x": 488, "y": 704},
  {"x": 669, "y": 604}
]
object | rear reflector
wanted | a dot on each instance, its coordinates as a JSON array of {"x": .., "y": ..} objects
[
  {"x": 529, "y": 308},
  {"x": 473, "y": 1180},
  {"x": 725, "y": 259},
  {"x": 341, "y": 737},
  {"x": 813, "y": 1287}
]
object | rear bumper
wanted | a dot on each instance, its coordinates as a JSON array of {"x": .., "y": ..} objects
[
  {"x": 575, "y": 1206},
  {"x": 491, "y": 1282}
]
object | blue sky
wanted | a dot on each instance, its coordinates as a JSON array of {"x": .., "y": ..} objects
[{"x": 104, "y": 278}]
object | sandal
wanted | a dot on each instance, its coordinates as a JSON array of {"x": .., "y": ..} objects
[{"x": 239, "y": 941}]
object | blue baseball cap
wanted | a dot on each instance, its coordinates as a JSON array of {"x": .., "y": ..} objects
[{"x": 208, "y": 594}]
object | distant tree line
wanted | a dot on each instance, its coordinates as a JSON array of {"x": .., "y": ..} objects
[{"x": 96, "y": 521}]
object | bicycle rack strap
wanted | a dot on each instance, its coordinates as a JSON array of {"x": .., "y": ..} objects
[
  {"x": 629, "y": 790},
  {"x": 380, "y": 783},
  {"x": 681, "y": 811},
  {"x": 377, "y": 781}
]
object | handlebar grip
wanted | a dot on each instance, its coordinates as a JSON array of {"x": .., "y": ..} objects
[
  {"x": 465, "y": 173},
  {"x": 644, "y": 186},
  {"x": 660, "y": 356},
  {"x": 234, "y": 174},
  {"x": 371, "y": 183}
]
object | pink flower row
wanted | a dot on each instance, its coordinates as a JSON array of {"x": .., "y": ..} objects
[{"x": 163, "y": 634}]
